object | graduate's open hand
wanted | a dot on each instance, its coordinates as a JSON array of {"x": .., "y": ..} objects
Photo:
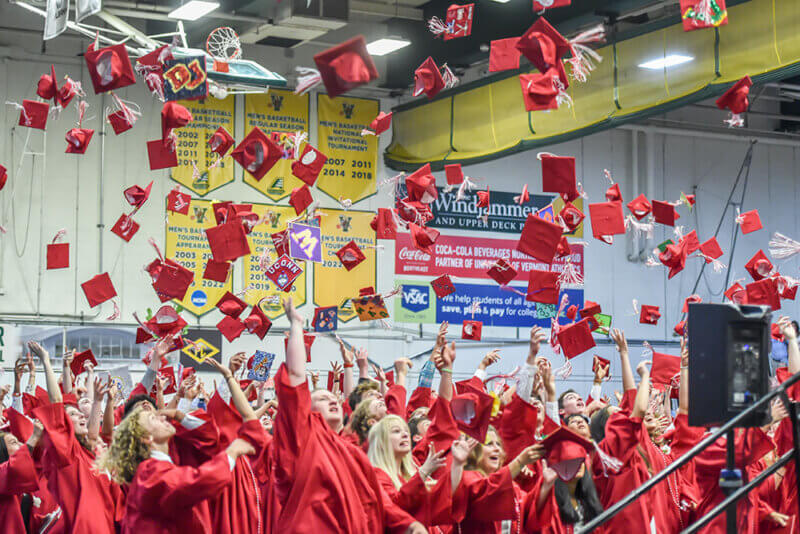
[
  {"x": 347, "y": 355},
  {"x": 38, "y": 350},
  {"x": 434, "y": 461},
  {"x": 441, "y": 337},
  {"x": 549, "y": 476},
  {"x": 19, "y": 369},
  {"x": 642, "y": 368},
  {"x": 619, "y": 338},
  {"x": 537, "y": 336},
  {"x": 239, "y": 447},
  {"x": 236, "y": 362},
  {"x": 461, "y": 449},
  {"x": 221, "y": 369},
  {"x": 291, "y": 312},
  {"x": 489, "y": 359},
  {"x": 778, "y": 518},
  {"x": 787, "y": 328}
]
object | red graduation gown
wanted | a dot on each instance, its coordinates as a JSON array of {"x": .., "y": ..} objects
[
  {"x": 17, "y": 476},
  {"x": 428, "y": 506},
  {"x": 163, "y": 497},
  {"x": 396, "y": 400},
  {"x": 324, "y": 484},
  {"x": 442, "y": 431},
  {"x": 420, "y": 397},
  {"x": 482, "y": 503},
  {"x": 88, "y": 499}
]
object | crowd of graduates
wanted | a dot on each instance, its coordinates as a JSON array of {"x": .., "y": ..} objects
[{"x": 366, "y": 457}]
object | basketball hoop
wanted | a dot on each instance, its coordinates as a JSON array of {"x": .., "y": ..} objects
[{"x": 224, "y": 46}]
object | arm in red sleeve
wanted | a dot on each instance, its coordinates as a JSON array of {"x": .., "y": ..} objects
[
  {"x": 292, "y": 427},
  {"x": 626, "y": 404},
  {"x": 396, "y": 400},
  {"x": 490, "y": 498},
  {"x": 18, "y": 474},
  {"x": 254, "y": 433},
  {"x": 442, "y": 431},
  {"x": 198, "y": 444},
  {"x": 58, "y": 436},
  {"x": 419, "y": 397},
  {"x": 751, "y": 445},
  {"x": 517, "y": 426},
  {"x": 395, "y": 518},
  {"x": 685, "y": 437},
  {"x": 623, "y": 434},
  {"x": 169, "y": 486},
  {"x": 547, "y": 517}
]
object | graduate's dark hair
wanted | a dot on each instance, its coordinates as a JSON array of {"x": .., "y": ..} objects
[
  {"x": 26, "y": 501},
  {"x": 357, "y": 395},
  {"x": 561, "y": 398},
  {"x": 597, "y": 425},
  {"x": 133, "y": 401},
  {"x": 585, "y": 494},
  {"x": 414, "y": 422}
]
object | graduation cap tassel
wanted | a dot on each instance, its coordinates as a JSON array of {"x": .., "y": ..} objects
[
  {"x": 584, "y": 59},
  {"x": 734, "y": 120},
  {"x": 570, "y": 275},
  {"x": 437, "y": 26},
  {"x": 307, "y": 79},
  {"x": 565, "y": 371},
  {"x": 782, "y": 247},
  {"x": 639, "y": 228},
  {"x": 61, "y": 233},
  {"x": 25, "y": 117},
  {"x": 450, "y": 79},
  {"x": 562, "y": 97},
  {"x": 652, "y": 262},
  {"x": 635, "y": 303},
  {"x": 647, "y": 351},
  {"x": 607, "y": 461},
  {"x": 115, "y": 314},
  {"x": 346, "y": 203},
  {"x": 155, "y": 246},
  {"x": 717, "y": 265}
]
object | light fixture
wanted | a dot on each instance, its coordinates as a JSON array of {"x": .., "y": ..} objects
[
  {"x": 667, "y": 61},
  {"x": 387, "y": 45},
  {"x": 501, "y": 1},
  {"x": 193, "y": 10}
]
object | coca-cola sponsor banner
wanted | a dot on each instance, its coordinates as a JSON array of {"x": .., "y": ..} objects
[
  {"x": 505, "y": 215},
  {"x": 497, "y": 307},
  {"x": 471, "y": 257}
]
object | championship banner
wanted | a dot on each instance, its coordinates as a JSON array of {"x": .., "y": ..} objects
[
  {"x": 284, "y": 113},
  {"x": 186, "y": 244},
  {"x": 192, "y": 146},
  {"x": 86, "y": 8},
  {"x": 261, "y": 287},
  {"x": 350, "y": 171},
  {"x": 333, "y": 284}
]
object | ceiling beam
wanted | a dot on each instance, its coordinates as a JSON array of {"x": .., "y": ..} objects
[{"x": 377, "y": 9}]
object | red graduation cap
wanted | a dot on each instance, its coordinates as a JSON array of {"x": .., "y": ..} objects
[
  {"x": 640, "y": 207},
  {"x": 423, "y": 237},
  {"x": 310, "y": 164},
  {"x": 543, "y": 45},
  {"x": 421, "y": 185},
  {"x": 350, "y": 255},
  {"x": 57, "y": 256},
  {"x": 458, "y": 19},
  {"x": 471, "y": 330},
  {"x": 300, "y": 199},
  {"x": 67, "y": 92},
  {"x": 690, "y": 242},
  {"x": 571, "y": 312},
  {"x": 543, "y": 286},
  {"x": 711, "y": 249},
  {"x": 674, "y": 257},
  {"x": 539, "y": 5},
  {"x": 664, "y": 213},
  {"x": 384, "y": 224},
  {"x": 599, "y": 363},
  {"x": 98, "y": 289},
  {"x": 165, "y": 322},
  {"x": 613, "y": 194},
  {"x": 280, "y": 240},
  {"x": 590, "y": 309},
  {"x": 775, "y": 332},
  {"x": 216, "y": 270},
  {"x": 257, "y": 153},
  {"x": 76, "y": 366},
  {"x": 539, "y": 238},
  {"x": 690, "y": 300},
  {"x": 759, "y": 266},
  {"x": 483, "y": 198},
  {"x": 472, "y": 411},
  {"x": 502, "y": 272},
  {"x": 3, "y": 177},
  {"x": 283, "y": 273},
  {"x": 178, "y": 202},
  {"x": 172, "y": 280},
  {"x": 454, "y": 174},
  {"x": 47, "y": 87},
  {"x": 173, "y": 115},
  {"x": 558, "y": 176},
  {"x": 221, "y": 141},
  {"x": 563, "y": 247},
  {"x": 649, "y": 314},
  {"x": 607, "y": 220},
  {"x": 231, "y": 305},
  {"x": 576, "y": 338},
  {"x": 78, "y": 140},
  {"x": 736, "y": 294},
  {"x": 571, "y": 216},
  {"x": 750, "y": 221},
  {"x": 664, "y": 368},
  {"x": 308, "y": 340},
  {"x": 785, "y": 289},
  {"x": 34, "y": 114},
  {"x": 137, "y": 196},
  {"x": 538, "y": 91},
  {"x": 443, "y": 286},
  {"x": 110, "y": 68},
  {"x": 230, "y": 327},
  {"x": 428, "y": 79},
  {"x": 566, "y": 451},
  {"x": 504, "y": 54},
  {"x": 346, "y": 66},
  {"x": 381, "y": 123},
  {"x": 228, "y": 241},
  {"x": 125, "y": 227},
  {"x": 257, "y": 323},
  {"x": 764, "y": 292},
  {"x": 168, "y": 373},
  {"x": 160, "y": 156},
  {"x": 524, "y": 197},
  {"x": 735, "y": 98}
]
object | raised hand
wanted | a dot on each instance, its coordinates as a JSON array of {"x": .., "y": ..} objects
[
  {"x": 221, "y": 369},
  {"x": 347, "y": 354},
  {"x": 291, "y": 312},
  {"x": 402, "y": 365},
  {"x": 19, "y": 369},
  {"x": 787, "y": 328},
  {"x": 445, "y": 358},
  {"x": 434, "y": 461},
  {"x": 618, "y": 336},
  {"x": 684, "y": 351},
  {"x": 162, "y": 347},
  {"x": 39, "y": 351},
  {"x": 236, "y": 362},
  {"x": 314, "y": 378},
  {"x": 461, "y": 448},
  {"x": 531, "y": 454},
  {"x": 642, "y": 369},
  {"x": 240, "y": 447},
  {"x": 361, "y": 359},
  {"x": 379, "y": 374},
  {"x": 441, "y": 337},
  {"x": 100, "y": 388},
  {"x": 537, "y": 336},
  {"x": 489, "y": 359}
]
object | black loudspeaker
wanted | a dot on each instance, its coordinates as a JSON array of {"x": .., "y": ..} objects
[{"x": 729, "y": 348}]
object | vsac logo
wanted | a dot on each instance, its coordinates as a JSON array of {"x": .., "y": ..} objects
[
  {"x": 277, "y": 101},
  {"x": 344, "y": 223},
  {"x": 415, "y": 298},
  {"x": 347, "y": 109}
]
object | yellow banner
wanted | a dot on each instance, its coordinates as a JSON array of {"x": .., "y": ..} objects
[
  {"x": 192, "y": 145},
  {"x": 333, "y": 284},
  {"x": 186, "y": 243},
  {"x": 277, "y": 111},
  {"x": 261, "y": 286},
  {"x": 351, "y": 169}
]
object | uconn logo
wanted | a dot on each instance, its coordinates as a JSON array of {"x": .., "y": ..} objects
[{"x": 415, "y": 298}]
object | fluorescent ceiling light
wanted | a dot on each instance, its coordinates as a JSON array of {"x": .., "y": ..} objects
[
  {"x": 193, "y": 10},
  {"x": 501, "y": 1},
  {"x": 667, "y": 61},
  {"x": 387, "y": 45}
]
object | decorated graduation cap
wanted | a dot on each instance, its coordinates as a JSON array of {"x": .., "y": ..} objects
[
  {"x": 125, "y": 227},
  {"x": 640, "y": 207},
  {"x": 649, "y": 314},
  {"x": 735, "y": 99},
  {"x": 33, "y": 114},
  {"x": 310, "y": 164},
  {"x": 230, "y": 327},
  {"x": 699, "y": 14},
  {"x": 504, "y": 54},
  {"x": 350, "y": 255},
  {"x": 566, "y": 451},
  {"x": 137, "y": 196},
  {"x": 160, "y": 156},
  {"x": 346, "y": 66},
  {"x": 216, "y": 270},
  {"x": 502, "y": 272},
  {"x": 98, "y": 289},
  {"x": 607, "y": 220},
  {"x": 558, "y": 175},
  {"x": 47, "y": 87},
  {"x": 178, "y": 202},
  {"x": 443, "y": 286},
  {"x": 750, "y": 221},
  {"x": 538, "y": 91},
  {"x": 77, "y": 364},
  {"x": 543, "y": 286},
  {"x": 541, "y": 5},
  {"x": 228, "y": 241},
  {"x": 257, "y": 153},
  {"x": 231, "y": 305},
  {"x": 326, "y": 319},
  {"x": 539, "y": 238},
  {"x": 571, "y": 216},
  {"x": 472, "y": 411},
  {"x": 283, "y": 273},
  {"x": 471, "y": 329},
  {"x": 369, "y": 305},
  {"x": 257, "y": 323},
  {"x": 110, "y": 67},
  {"x": 221, "y": 141},
  {"x": 759, "y": 266}
]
